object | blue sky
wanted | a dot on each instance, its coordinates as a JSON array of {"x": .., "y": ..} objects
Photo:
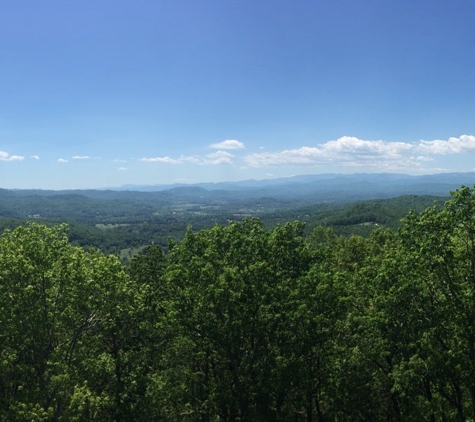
[{"x": 106, "y": 93}]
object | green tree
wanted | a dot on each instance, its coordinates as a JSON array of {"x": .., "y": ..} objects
[
  {"x": 441, "y": 243},
  {"x": 61, "y": 308},
  {"x": 230, "y": 293}
]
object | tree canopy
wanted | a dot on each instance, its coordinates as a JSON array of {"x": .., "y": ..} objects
[{"x": 243, "y": 323}]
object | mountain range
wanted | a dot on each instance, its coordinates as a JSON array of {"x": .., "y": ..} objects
[{"x": 306, "y": 188}]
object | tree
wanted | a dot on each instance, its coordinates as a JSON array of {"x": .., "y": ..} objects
[
  {"x": 440, "y": 247},
  {"x": 231, "y": 297},
  {"x": 58, "y": 303}
]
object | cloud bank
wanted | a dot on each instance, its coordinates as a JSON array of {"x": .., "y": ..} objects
[
  {"x": 463, "y": 144},
  {"x": 352, "y": 151},
  {"x": 347, "y": 151}
]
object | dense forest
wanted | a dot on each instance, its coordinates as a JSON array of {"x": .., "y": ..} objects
[
  {"x": 124, "y": 223},
  {"x": 245, "y": 322}
]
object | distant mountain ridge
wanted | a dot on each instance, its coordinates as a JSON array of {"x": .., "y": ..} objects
[
  {"x": 329, "y": 179},
  {"x": 365, "y": 184},
  {"x": 265, "y": 195}
]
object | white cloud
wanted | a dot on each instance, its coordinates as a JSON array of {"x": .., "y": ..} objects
[
  {"x": 118, "y": 160},
  {"x": 351, "y": 145},
  {"x": 219, "y": 157},
  {"x": 122, "y": 168},
  {"x": 463, "y": 144},
  {"x": 355, "y": 152},
  {"x": 35, "y": 157},
  {"x": 352, "y": 152},
  {"x": 5, "y": 156},
  {"x": 169, "y": 160},
  {"x": 81, "y": 157},
  {"x": 228, "y": 144},
  {"x": 166, "y": 159},
  {"x": 62, "y": 160}
]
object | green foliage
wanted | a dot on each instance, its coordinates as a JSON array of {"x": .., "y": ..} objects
[
  {"x": 60, "y": 310},
  {"x": 230, "y": 283},
  {"x": 245, "y": 322}
]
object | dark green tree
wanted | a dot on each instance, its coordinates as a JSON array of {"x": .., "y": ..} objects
[
  {"x": 61, "y": 312},
  {"x": 232, "y": 299}
]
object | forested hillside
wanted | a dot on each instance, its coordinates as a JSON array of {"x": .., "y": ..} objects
[
  {"x": 240, "y": 322},
  {"x": 126, "y": 224}
]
